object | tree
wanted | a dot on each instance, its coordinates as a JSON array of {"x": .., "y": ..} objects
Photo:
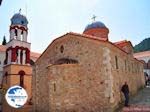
[
  {"x": 4, "y": 41},
  {"x": 0, "y": 2}
]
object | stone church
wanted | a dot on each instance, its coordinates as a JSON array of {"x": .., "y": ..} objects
[{"x": 85, "y": 72}]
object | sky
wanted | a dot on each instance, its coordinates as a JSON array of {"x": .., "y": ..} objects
[{"x": 49, "y": 19}]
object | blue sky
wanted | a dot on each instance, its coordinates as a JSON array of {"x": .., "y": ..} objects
[{"x": 48, "y": 19}]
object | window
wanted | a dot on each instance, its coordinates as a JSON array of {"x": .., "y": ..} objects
[
  {"x": 62, "y": 49},
  {"x": 65, "y": 61},
  {"x": 22, "y": 22},
  {"x": 21, "y": 80},
  {"x": 54, "y": 87},
  {"x": 129, "y": 66},
  {"x": 132, "y": 68},
  {"x": 116, "y": 60},
  {"x": 125, "y": 62},
  {"x": 21, "y": 74},
  {"x": 21, "y": 35},
  {"x": 16, "y": 32}
]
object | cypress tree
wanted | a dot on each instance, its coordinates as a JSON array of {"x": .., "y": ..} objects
[
  {"x": 4, "y": 41},
  {"x": 0, "y": 2}
]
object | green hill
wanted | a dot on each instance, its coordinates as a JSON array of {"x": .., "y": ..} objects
[{"x": 143, "y": 46}]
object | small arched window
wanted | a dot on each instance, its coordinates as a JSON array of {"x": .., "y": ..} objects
[
  {"x": 116, "y": 61},
  {"x": 21, "y": 35},
  {"x": 22, "y": 22},
  {"x": 22, "y": 32},
  {"x": 21, "y": 74},
  {"x": 62, "y": 49},
  {"x": 16, "y": 32},
  {"x": 65, "y": 61}
]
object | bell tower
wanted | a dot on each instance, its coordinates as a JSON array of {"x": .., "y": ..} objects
[
  {"x": 18, "y": 49},
  {"x": 17, "y": 68}
]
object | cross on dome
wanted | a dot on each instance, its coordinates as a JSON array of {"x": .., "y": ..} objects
[
  {"x": 20, "y": 11},
  {"x": 93, "y": 18}
]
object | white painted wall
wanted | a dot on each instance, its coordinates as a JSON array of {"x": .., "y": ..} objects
[
  {"x": 146, "y": 59},
  {"x": 2, "y": 58}
]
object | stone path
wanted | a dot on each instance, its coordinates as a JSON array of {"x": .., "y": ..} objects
[{"x": 139, "y": 103}]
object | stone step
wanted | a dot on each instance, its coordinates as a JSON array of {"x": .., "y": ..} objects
[{"x": 136, "y": 108}]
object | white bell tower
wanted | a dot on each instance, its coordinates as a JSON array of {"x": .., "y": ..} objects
[
  {"x": 18, "y": 49},
  {"x": 17, "y": 69}
]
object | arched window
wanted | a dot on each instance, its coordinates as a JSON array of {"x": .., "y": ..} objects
[
  {"x": 65, "y": 61},
  {"x": 62, "y": 49},
  {"x": 21, "y": 36},
  {"x": 21, "y": 74},
  {"x": 16, "y": 32},
  {"x": 22, "y": 22},
  {"x": 116, "y": 61}
]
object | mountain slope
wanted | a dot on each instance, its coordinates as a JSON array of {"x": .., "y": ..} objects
[{"x": 143, "y": 46}]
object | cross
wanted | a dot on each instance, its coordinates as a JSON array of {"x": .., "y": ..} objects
[
  {"x": 93, "y": 18},
  {"x": 20, "y": 10}
]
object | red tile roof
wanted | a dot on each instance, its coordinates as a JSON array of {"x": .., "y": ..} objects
[
  {"x": 88, "y": 36},
  {"x": 2, "y": 48},
  {"x": 34, "y": 54},
  {"x": 122, "y": 43}
]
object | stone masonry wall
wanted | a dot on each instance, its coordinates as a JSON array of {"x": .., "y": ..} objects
[
  {"x": 92, "y": 84},
  {"x": 129, "y": 69}
]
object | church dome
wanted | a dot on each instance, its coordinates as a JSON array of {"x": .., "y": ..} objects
[
  {"x": 96, "y": 24},
  {"x": 97, "y": 29},
  {"x": 19, "y": 19}
]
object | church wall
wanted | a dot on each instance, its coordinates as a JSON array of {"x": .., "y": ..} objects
[
  {"x": 72, "y": 88},
  {"x": 40, "y": 88},
  {"x": 93, "y": 83},
  {"x": 84, "y": 55},
  {"x": 129, "y": 69},
  {"x": 2, "y": 57}
]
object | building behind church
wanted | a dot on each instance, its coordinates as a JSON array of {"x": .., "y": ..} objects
[
  {"x": 145, "y": 58},
  {"x": 85, "y": 72}
]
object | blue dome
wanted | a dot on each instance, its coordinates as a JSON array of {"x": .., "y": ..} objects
[
  {"x": 19, "y": 19},
  {"x": 96, "y": 24}
]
